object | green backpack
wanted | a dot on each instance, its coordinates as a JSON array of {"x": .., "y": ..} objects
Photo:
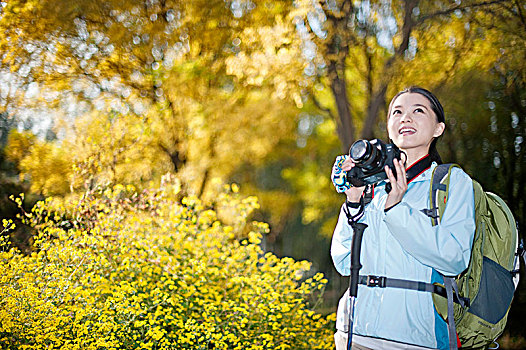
[{"x": 483, "y": 293}]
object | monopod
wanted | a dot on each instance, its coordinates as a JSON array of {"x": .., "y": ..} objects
[{"x": 356, "y": 247}]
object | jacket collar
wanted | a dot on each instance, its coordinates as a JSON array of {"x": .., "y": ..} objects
[
  {"x": 420, "y": 173},
  {"x": 426, "y": 175},
  {"x": 418, "y": 167}
]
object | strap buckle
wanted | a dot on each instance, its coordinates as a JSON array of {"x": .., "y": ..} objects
[
  {"x": 521, "y": 251},
  {"x": 375, "y": 281},
  {"x": 432, "y": 212}
]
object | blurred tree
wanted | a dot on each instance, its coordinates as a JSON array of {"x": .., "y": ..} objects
[
  {"x": 364, "y": 48},
  {"x": 164, "y": 65}
]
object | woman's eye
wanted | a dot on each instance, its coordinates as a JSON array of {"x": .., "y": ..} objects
[
  {"x": 419, "y": 110},
  {"x": 396, "y": 111}
]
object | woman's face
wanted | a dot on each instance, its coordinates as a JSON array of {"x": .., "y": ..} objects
[{"x": 412, "y": 124}]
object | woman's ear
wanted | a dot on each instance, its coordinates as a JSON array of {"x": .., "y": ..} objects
[{"x": 439, "y": 129}]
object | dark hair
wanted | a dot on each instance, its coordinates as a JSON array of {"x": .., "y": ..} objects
[{"x": 435, "y": 106}]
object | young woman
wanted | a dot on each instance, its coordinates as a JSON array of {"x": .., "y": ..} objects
[{"x": 400, "y": 241}]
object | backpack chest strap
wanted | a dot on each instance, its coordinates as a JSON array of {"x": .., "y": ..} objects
[{"x": 383, "y": 282}]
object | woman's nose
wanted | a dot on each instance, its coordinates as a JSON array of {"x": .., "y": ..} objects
[{"x": 406, "y": 117}]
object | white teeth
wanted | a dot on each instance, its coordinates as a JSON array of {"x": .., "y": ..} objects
[{"x": 406, "y": 130}]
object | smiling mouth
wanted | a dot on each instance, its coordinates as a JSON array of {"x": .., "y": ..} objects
[{"x": 406, "y": 131}]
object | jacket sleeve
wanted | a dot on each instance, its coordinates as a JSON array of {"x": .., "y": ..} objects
[
  {"x": 341, "y": 243},
  {"x": 445, "y": 247}
]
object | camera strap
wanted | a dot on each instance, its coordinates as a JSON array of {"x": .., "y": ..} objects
[
  {"x": 418, "y": 168},
  {"x": 367, "y": 196},
  {"x": 414, "y": 170},
  {"x": 353, "y": 219}
]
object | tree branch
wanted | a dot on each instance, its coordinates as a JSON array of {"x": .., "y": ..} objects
[
  {"x": 460, "y": 8},
  {"x": 520, "y": 13},
  {"x": 323, "y": 109}
]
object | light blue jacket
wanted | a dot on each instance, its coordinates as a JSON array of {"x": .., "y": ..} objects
[{"x": 403, "y": 244}]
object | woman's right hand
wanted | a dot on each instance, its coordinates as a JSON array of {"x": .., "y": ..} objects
[{"x": 354, "y": 193}]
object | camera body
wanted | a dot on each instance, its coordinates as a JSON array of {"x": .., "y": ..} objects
[{"x": 370, "y": 159}]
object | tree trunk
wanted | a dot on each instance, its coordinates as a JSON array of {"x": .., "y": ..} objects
[
  {"x": 176, "y": 158},
  {"x": 175, "y": 151},
  {"x": 376, "y": 103},
  {"x": 206, "y": 174},
  {"x": 338, "y": 48},
  {"x": 345, "y": 127}
]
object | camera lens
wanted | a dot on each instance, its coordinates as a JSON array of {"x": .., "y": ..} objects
[
  {"x": 366, "y": 154},
  {"x": 360, "y": 151}
]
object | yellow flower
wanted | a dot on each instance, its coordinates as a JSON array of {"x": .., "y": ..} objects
[{"x": 171, "y": 274}]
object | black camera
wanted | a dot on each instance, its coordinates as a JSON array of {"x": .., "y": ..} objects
[{"x": 370, "y": 158}]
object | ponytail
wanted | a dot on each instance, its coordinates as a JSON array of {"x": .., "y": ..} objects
[{"x": 433, "y": 152}]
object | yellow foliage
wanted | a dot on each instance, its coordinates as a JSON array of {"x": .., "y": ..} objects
[
  {"x": 19, "y": 145},
  {"x": 117, "y": 269},
  {"x": 113, "y": 148},
  {"x": 272, "y": 54},
  {"x": 48, "y": 166},
  {"x": 446, "y": 50}
]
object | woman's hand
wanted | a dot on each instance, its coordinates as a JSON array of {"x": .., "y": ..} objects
[
  {"x": 354, "y": 193},
  {"x": 398, "y": 184}
]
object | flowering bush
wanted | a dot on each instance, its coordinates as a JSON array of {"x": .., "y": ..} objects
[{"x": 119, "y": 270}]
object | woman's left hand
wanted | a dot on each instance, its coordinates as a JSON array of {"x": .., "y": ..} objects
[{"x": 398, "y": 183}]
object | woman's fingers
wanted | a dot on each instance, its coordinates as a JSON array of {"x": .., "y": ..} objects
[
  {"x": 400, "y": 173},
  {"x": 398, "y": 183},
  {"x": 347, "y": 165},
  {"x": 397, "y": 178},
  {"x": 390, "y": 175}
]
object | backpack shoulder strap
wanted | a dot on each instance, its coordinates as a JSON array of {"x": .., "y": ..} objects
[
  {"x": 438, "y": 196},
  {"x": 439, "y": 192}
]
